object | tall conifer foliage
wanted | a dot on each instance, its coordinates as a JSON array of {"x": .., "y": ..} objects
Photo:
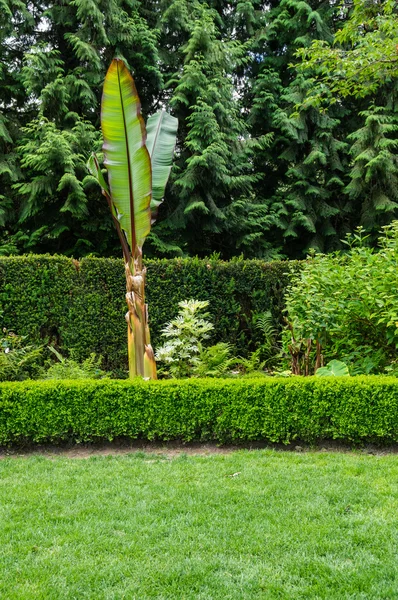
[
  {"x": 62, "y": 68},
  {"x": 285, "y": 141},
  {"x": 212, "y": 167}
]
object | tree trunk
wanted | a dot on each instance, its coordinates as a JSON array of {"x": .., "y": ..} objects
[
  {"x": 141, "y": 356},
  {"x": 319, "y": 356}
]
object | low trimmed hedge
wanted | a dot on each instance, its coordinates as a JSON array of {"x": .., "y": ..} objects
[{"x": 276, "y": 410}]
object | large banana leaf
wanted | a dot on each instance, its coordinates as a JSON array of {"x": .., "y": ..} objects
[
  {"x": 161, "y": 139},
  {"x": 126, "y": 157}
]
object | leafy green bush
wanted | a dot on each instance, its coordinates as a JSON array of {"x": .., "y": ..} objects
[
  {"x": 185, "y": 355},
  {"x": 225, "y": 410},
  {"x": 215, "y": 361},
  {"x": 68, "y": 368},
  {"x": 19, "y": 361},
  {"x": 80, "y": 306},
  {"x": 345, "y": 306}
]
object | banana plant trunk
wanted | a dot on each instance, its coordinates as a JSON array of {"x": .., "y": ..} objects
[{"x": 140, "y": 353}]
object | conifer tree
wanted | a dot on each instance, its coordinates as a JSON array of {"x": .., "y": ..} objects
[
  {"x": 17, "y": 26},
  {"x": 362, "y": 63},
  {"x": 212, "y": 166},
  {"x": 280, "y": 102},
  {"x": 373, "y": 186},
  {"x": 304, "y": 168},
  {"x": 316, "y": 161},
  {"x": 56, "y": 204}
]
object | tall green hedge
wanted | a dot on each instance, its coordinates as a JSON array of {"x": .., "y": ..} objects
[
  {"x": 269, "y": 409},
  {"x": 81, "y": 305}
]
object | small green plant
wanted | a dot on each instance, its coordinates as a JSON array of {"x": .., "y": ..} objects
[
  {"x": 269, "y": 348},
  {"x": 334, "y": 368},
  {"x": 68, "y": 368},
  {"x": 251, "y": 365},
  {"x": 185, "y": 334},
  {"x": 19, "y": 361},
  {"x": 268, "y": 354},
  {"x": 215, "y": 361}
]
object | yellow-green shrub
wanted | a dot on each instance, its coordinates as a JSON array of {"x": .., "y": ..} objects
[{"x": 352, "y": 409}]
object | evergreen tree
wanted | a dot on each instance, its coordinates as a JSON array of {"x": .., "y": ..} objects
[
  {"x": 212, "y": 168},
  {"x": 304, "y": 170},
  {"x": 57, "y": 212},
  {"x": 362, "y": 62},
  {"x": 54, "y": 206},
  {"x": 278, "y": 150},
  {"x": 316, "y": 162},
  {"x": 15, "y": 32},
  {"x": 373, "y": 188}
]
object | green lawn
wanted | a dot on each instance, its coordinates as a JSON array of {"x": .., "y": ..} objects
[{"x": 287, "y": 525}]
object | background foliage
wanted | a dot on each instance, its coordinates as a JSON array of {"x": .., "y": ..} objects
[
  {"x": 80, "y": 306},
  {"x": 346, "y": 303},
  {"x": 268, "y": 162}
]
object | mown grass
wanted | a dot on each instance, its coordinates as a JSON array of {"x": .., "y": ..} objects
[{"x": 259, "y": 524}]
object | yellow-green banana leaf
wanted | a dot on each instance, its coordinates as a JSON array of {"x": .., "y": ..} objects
[{"x": 126, "y": 157}]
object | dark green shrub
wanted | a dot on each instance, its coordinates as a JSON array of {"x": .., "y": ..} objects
[
  {"x": 352, "y": 409},
  {"x": 81, "y": 305}
]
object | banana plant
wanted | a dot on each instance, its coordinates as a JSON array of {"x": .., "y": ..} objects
[{"x": 138, "y": 162}]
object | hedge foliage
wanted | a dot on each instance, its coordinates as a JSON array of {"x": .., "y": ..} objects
[
  {"x": 277, "y": 410},
  {"x": 81, "y": 305}
]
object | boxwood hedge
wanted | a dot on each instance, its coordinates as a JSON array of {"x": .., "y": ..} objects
[
  {"x": 277, "y": 410},
  {"x": 81, "y": 305}
]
